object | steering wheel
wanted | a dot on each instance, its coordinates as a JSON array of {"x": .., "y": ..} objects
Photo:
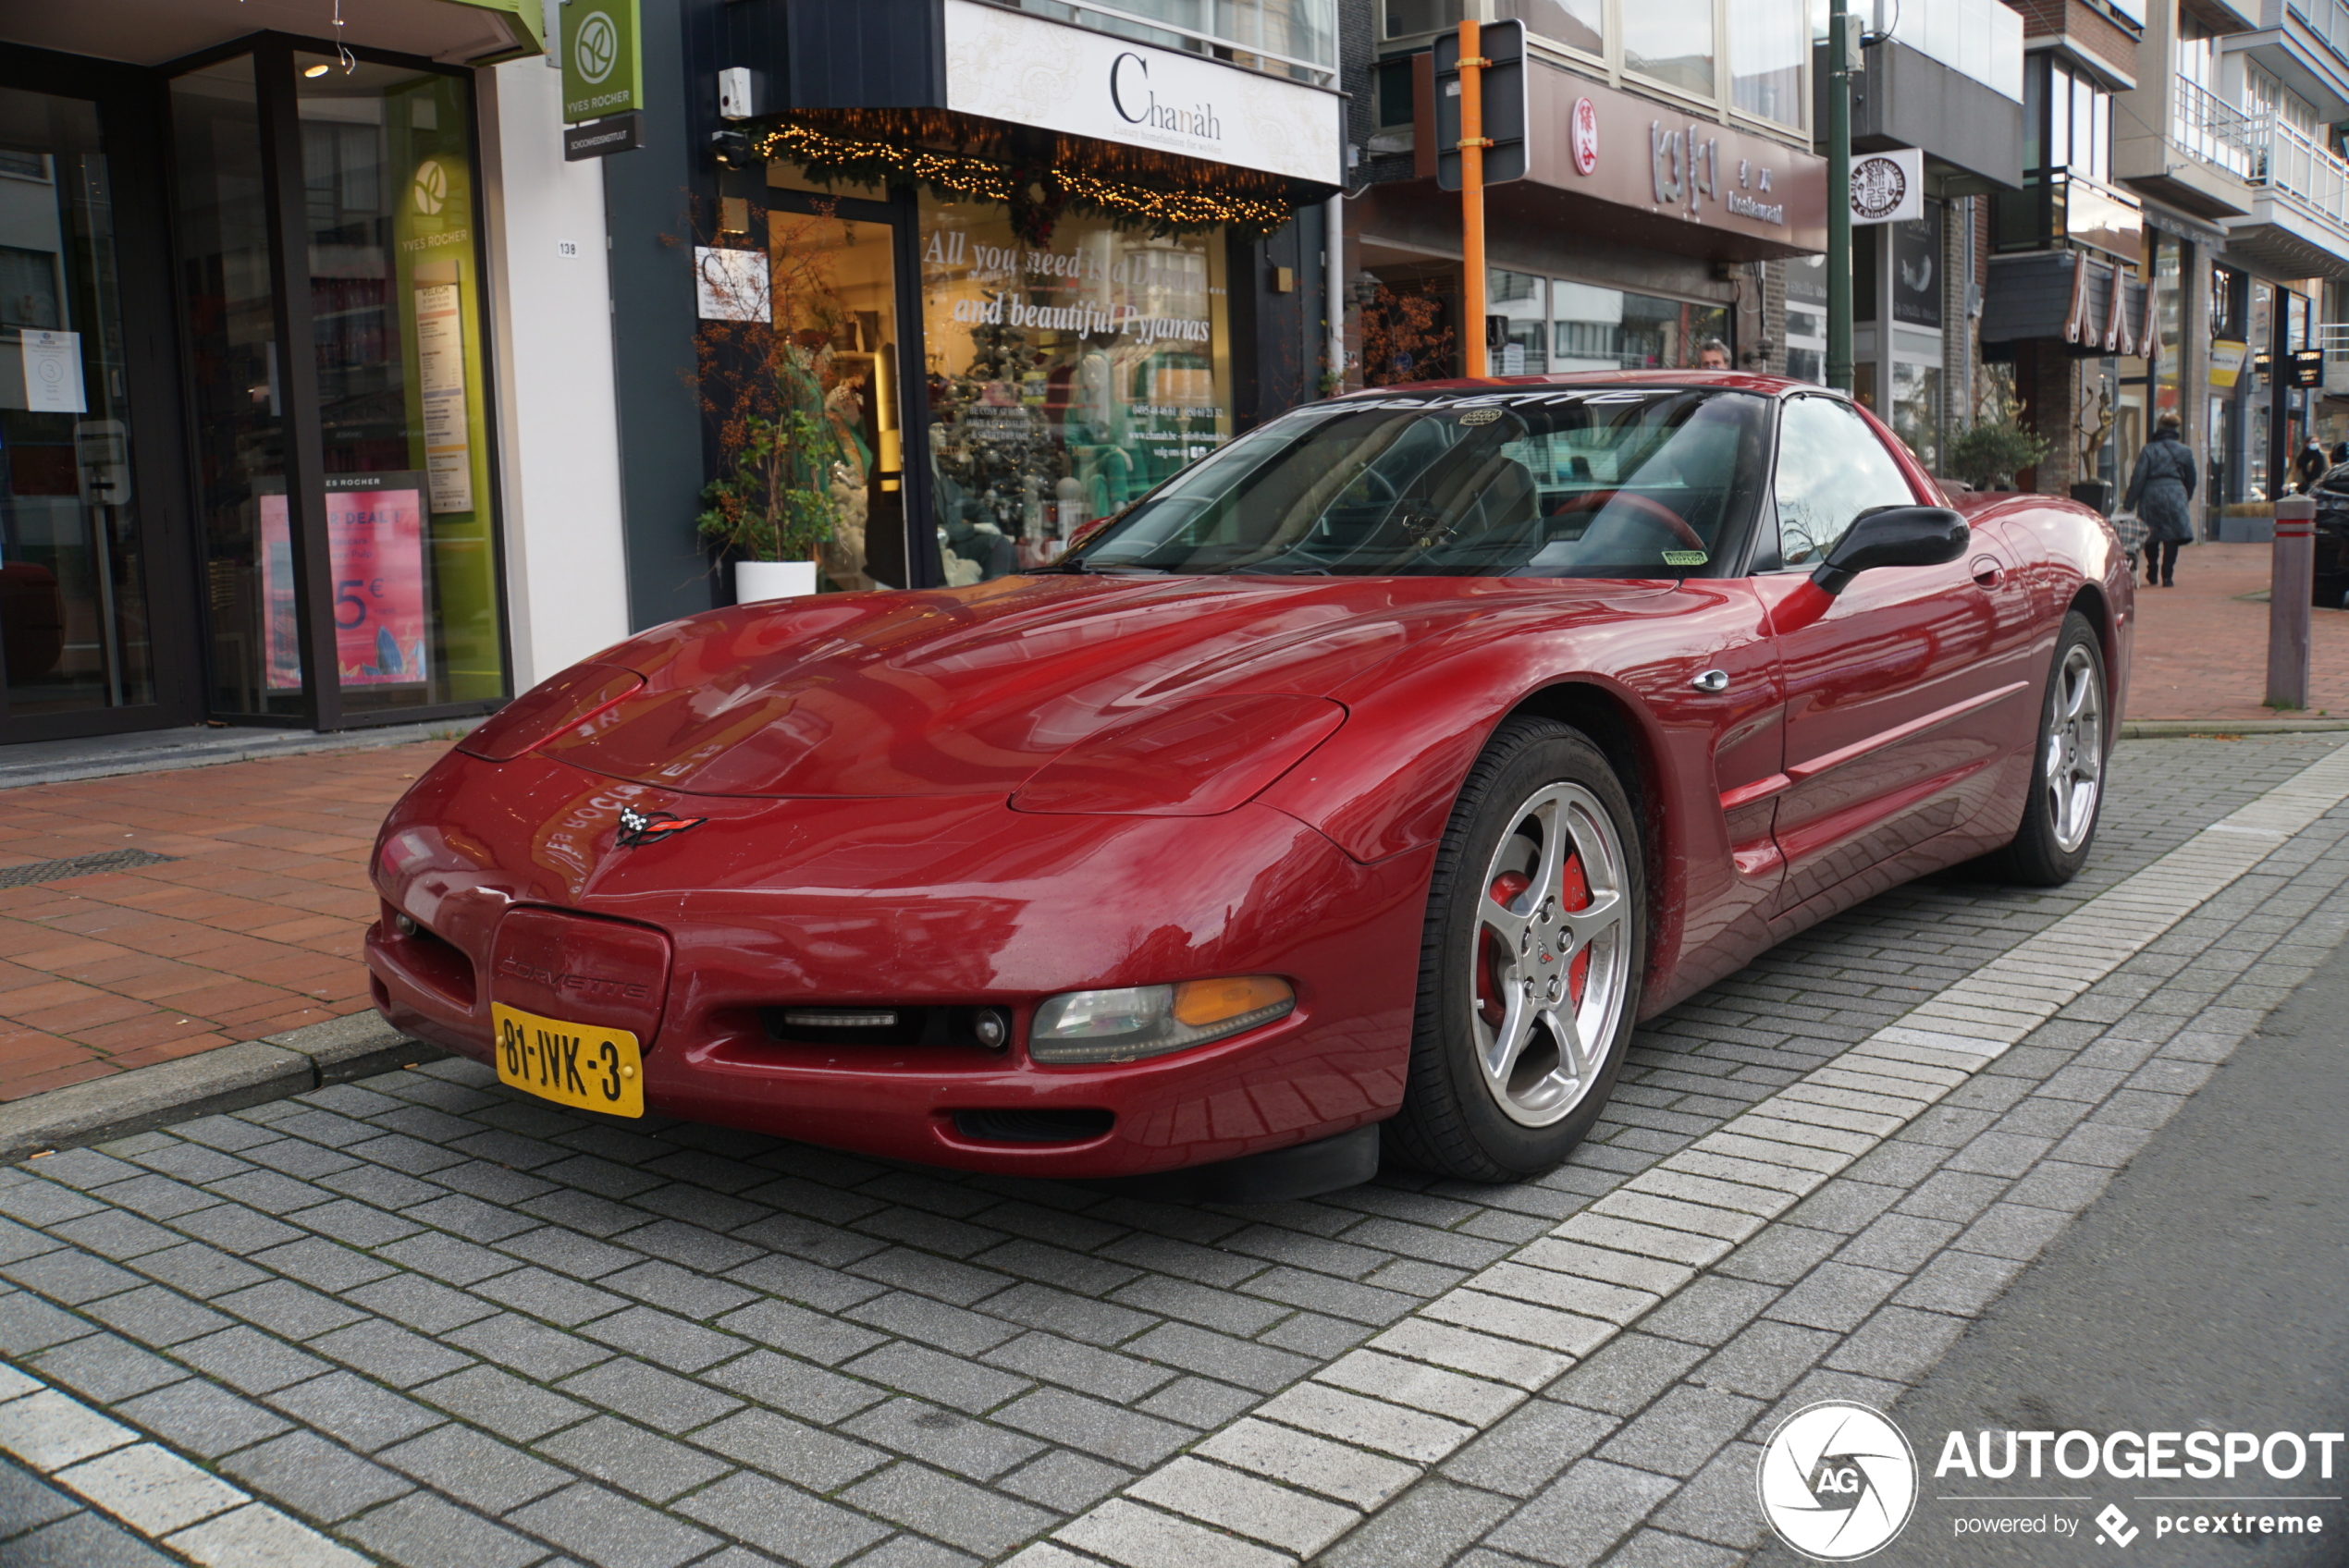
[{"x": 1647, "y": 506}]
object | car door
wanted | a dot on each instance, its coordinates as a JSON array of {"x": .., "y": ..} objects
[{"x": 1897, "y": 697}]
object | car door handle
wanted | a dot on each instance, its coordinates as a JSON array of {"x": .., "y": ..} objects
[
  {"x": 1988, "y": 573},
  {"x": 1713, "y": 680}
]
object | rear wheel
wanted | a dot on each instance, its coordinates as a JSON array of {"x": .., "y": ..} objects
[
  {"x": 2067, "y": 770},
  {"x": 1535, "y": 941}
]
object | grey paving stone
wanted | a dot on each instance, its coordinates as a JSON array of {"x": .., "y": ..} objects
[
  {"x": 233, "y": 1228},
  {"x": 1579, "y": 1518},
  {"x": 1528, "y": 1448},
  {"x": 223, "y": 1133},
  {"x": 1072, "y": 1317},
  {"x": 1899, "y": 1344},
  {"x": 1430, "y": 1523},
  {"x": 568, "y": 1253},
  {"x": 1103, "y": 1373},
  {"x": 2057, "y": 1186},
  {"x": 1090, "y": 1427},
  {"x": 249, "y": 1361},
  {"x": 633, "y": 1459},
  {"x": 969, "y": 1516},
  {"x": 291, "y": 1311},
  {"x": 1898, "y": 1242},
  {"x": 421, "y": 1531},
  {"x": 1057, "y": 1267},
  {"x": 502, "y": 1402},
  {"x": 379, "y": 1188},
  {"x": 316, "y": 1261},
  {"x": 27, "y": 1502},
  {"x": 447, "y": 1258},
  {"x": 795, "y": 1386},
  {"x": 85, "y": 1540},
  {"x": 809, "y": 1455},
  {"x": 1198, "y": 1401},
  {"x": 658, "y": 1336},
  {"x": 294, "y": 1158},
  {"x": 1257, "y": 1367},
  {"x": 388, "y": 1353},
  {"x": 112, "y": 1234},
  {"x": 1623, "y": 1375},
  {"x": 1765, "y": 1359},
  {"x": 925, "y": 1274},
  {"x": 424, "y": 1304},
  {"x": 1718, "y": 1505},
  {"x": 1835, "y": 1296},
  {"x": 70, "y": 1277},
  {"x": 464, "y": 1215},
  {"x": 474, "y": 1469},
  {"x": 951, "y": 1328},
  {"x": 811, "y": 1241},
  {"x": 917, "y": 1369},
  {"x": 1843, "y": 1204},
  {"x": 680, "y": 1291},
  {"x": 1781, "y": 1253},
  {"x": 399, "y": 1152},
  {"x": 815, "y": 1335},
  {"x": 201, "y": 1418},
  {"x": 1066, "y": 1482},
  {"x": 1209, "y": 1308},
  {"x": 314, "y": 1477},
  {"x": 361, "y": 1415},
  {"x": 957, "y": 1442},
  {"x": 104, "y": 1367},
  {"x": 794, "y": 1278},
  {"x": 1709, "y": 1309},
  {"x": 1364, "y": 1303},
  {"x": 660, "y": 1400},
  {"x": 783, "y": 1520},
  {"x": 1202, "y": 1265},
  {"x": 1681, "y": 1431},
  {"x": 44, "y": 1204},
  {"x": 193, "y": 1162},
  {"x": 691, "y": 1245},
  {"x": 530, "y": 1348},
  {"x": 551, "y": 1296},
  {"x": 1960, "y": 1283},
  {"x": 85, "y": 1169}
]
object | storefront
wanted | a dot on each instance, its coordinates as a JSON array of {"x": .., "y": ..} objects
[
  {"x": 1088, "y": 259},
  {"x": 197, "y": 521}
]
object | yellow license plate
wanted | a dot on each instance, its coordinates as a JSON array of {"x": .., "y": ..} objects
[{"x": 572, "y": 1064}]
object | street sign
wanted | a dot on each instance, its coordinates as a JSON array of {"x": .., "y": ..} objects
[
  {"x": 1888, "y": 187},
  {"x": 603, "y": 65},
  {"x": 1505, "y": 108},
  {"x": 601, "y": 138}
]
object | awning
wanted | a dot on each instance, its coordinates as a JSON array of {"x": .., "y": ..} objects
[
  {"x": 2065, "y": 301},
  {"x": 152, "y": 32}
]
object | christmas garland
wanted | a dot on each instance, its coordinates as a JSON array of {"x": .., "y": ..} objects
[{"x": 1037, "y": 193}]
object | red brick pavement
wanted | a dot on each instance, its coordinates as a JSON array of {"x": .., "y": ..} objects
[
  {"x": 2202, "y": 648},
  {"x": 256, "y": 927}
]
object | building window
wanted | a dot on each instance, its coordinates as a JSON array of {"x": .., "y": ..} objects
[
  {"x": 2079, "y": 123},
  {"x": 1395, "y": 105},
  {"x": 1596, "y": 328},
  {"x": 1064, "y": 381},
  {"x": 1671, "y": 41},
  {"x": 1770, "y": 40},
  {"x": 1578, "y": 24},
  {"x": 1522, "y": 302},
  {"x": 1409, "y": 18}
]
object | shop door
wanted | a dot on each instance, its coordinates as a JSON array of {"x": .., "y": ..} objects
[
  {"x": 93, "y": 622},
  {"x": 807, "y": 386}
]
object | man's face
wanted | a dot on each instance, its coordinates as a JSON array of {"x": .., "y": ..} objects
[{"x": 1713, "y": 358}]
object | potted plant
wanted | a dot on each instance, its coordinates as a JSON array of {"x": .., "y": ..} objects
[
  {"x": 775, "y": 505},
  {"x": 1989, "y": 454}
]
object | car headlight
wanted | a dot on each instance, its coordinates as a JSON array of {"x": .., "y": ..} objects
[{"x": 1138, "y": 1020}]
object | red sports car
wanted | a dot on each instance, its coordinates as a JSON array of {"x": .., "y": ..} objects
[{"x": 1359, "y": 787}]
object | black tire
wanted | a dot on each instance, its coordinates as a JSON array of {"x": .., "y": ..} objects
[
  {"x": 1453, "y": 1123},
  {"x": 2041, "y": 854}
]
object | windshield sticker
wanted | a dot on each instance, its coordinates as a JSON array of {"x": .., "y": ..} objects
[
  {"x": 1685, "y": 558},
  {"x": 1480, "y": 416}
]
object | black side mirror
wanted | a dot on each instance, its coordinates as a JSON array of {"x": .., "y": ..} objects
[{"x": 1893, "y": 536}]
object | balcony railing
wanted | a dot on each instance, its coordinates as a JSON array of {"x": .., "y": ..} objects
[
  {"x": 2289, "y": 162},
  {"x": 2328, "y": 19},
  {"x": 2207, "y": 128}
]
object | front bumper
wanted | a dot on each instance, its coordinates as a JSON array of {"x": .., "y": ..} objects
[{"x": 931, "y": 903}]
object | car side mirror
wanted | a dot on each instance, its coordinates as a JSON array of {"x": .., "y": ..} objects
[{"x": 1893, "y": 536}]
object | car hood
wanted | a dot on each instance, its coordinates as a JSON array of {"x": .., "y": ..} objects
[{"x": 970, "y": 690}]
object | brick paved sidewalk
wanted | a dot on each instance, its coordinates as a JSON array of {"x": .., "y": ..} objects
[
  {"x": 436, "y": 1322},
  {"x": 2202, "y": 647},
  {"x": 254, "y": 927}
]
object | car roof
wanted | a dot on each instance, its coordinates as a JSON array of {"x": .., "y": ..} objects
[{"x": 1729, "y": 380}]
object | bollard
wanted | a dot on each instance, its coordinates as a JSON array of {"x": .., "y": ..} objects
[{"x": 2291, "y": 581}]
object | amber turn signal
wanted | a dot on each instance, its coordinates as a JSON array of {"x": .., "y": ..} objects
[{"x": 1201, "y": 1003}]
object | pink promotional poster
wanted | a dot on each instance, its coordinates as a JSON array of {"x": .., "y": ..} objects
[{"x": 376, "y": 542}]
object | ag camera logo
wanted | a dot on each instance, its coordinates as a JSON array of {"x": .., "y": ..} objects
[{"x": 1837, "y": 1481}]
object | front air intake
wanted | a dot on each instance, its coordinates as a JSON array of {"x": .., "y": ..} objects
[{"x": 1033, "y": 1126}]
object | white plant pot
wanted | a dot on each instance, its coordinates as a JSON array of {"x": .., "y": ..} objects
[{"x": 772, "y": 579}]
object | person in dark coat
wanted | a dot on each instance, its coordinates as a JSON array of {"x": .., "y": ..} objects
[
  {"x": 2158, "y": 490},
  {"x": 2310, "y": 466},
  {"x": 2340, "y": 453}
]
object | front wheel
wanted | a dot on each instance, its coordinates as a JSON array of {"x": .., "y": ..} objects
[
  {"x": 2067, "y": 769},
  {"x": 1529, "y": 961}
]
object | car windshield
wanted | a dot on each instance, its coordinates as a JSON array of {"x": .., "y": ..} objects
[{"x": 1554, "y": 482}]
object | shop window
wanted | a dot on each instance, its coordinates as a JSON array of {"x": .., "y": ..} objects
[
  {"x": 1578, "y": 24},
  {"x": 73, "y": 608},
  {"x": 1064, "y": 379},
  {"x": 1596, "y": 328},
  {"x": 1769, "y": 44},
  {"x": 1395, "y": 105},
  {"x": 1916, "y": 409},
  {"x": 1671, "y": 41},
  {"x": 1521, "y": 303}
]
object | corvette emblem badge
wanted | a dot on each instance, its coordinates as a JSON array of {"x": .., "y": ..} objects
[{"x": 638, "y": 828}]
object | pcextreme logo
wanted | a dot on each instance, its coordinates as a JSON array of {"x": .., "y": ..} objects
[{"x": 1837, "y": 1481}]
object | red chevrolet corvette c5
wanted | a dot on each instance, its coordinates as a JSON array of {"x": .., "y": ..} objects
[{"x": 1358, "y": 788}]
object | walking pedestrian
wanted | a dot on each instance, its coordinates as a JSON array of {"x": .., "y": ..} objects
[
  {"x": 2159, "y": 488},
  {"x": 2310, "y": 466}
]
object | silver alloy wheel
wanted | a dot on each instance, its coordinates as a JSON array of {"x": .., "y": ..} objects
[
  {"x": 1539, "y": 1046},
  {"x": 2076, "y": 750}
]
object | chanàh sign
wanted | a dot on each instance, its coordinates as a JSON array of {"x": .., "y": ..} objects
[{"x": 1026, "y": 70}]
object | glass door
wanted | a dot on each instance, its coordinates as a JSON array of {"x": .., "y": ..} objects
[{"x": 75, "y": 637}]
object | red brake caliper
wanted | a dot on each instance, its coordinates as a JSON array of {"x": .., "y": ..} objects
[
  {"x": 1574, "y": 893},
  {"x": 1491, "y": 957}
]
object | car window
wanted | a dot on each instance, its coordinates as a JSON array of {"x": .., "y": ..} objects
[
  {"x": 1831, "y": 468},
  {"x": 1608, "y": 481}
]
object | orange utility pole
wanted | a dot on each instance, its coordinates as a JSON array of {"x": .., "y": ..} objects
[{"x": 1473, "y": 145}]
